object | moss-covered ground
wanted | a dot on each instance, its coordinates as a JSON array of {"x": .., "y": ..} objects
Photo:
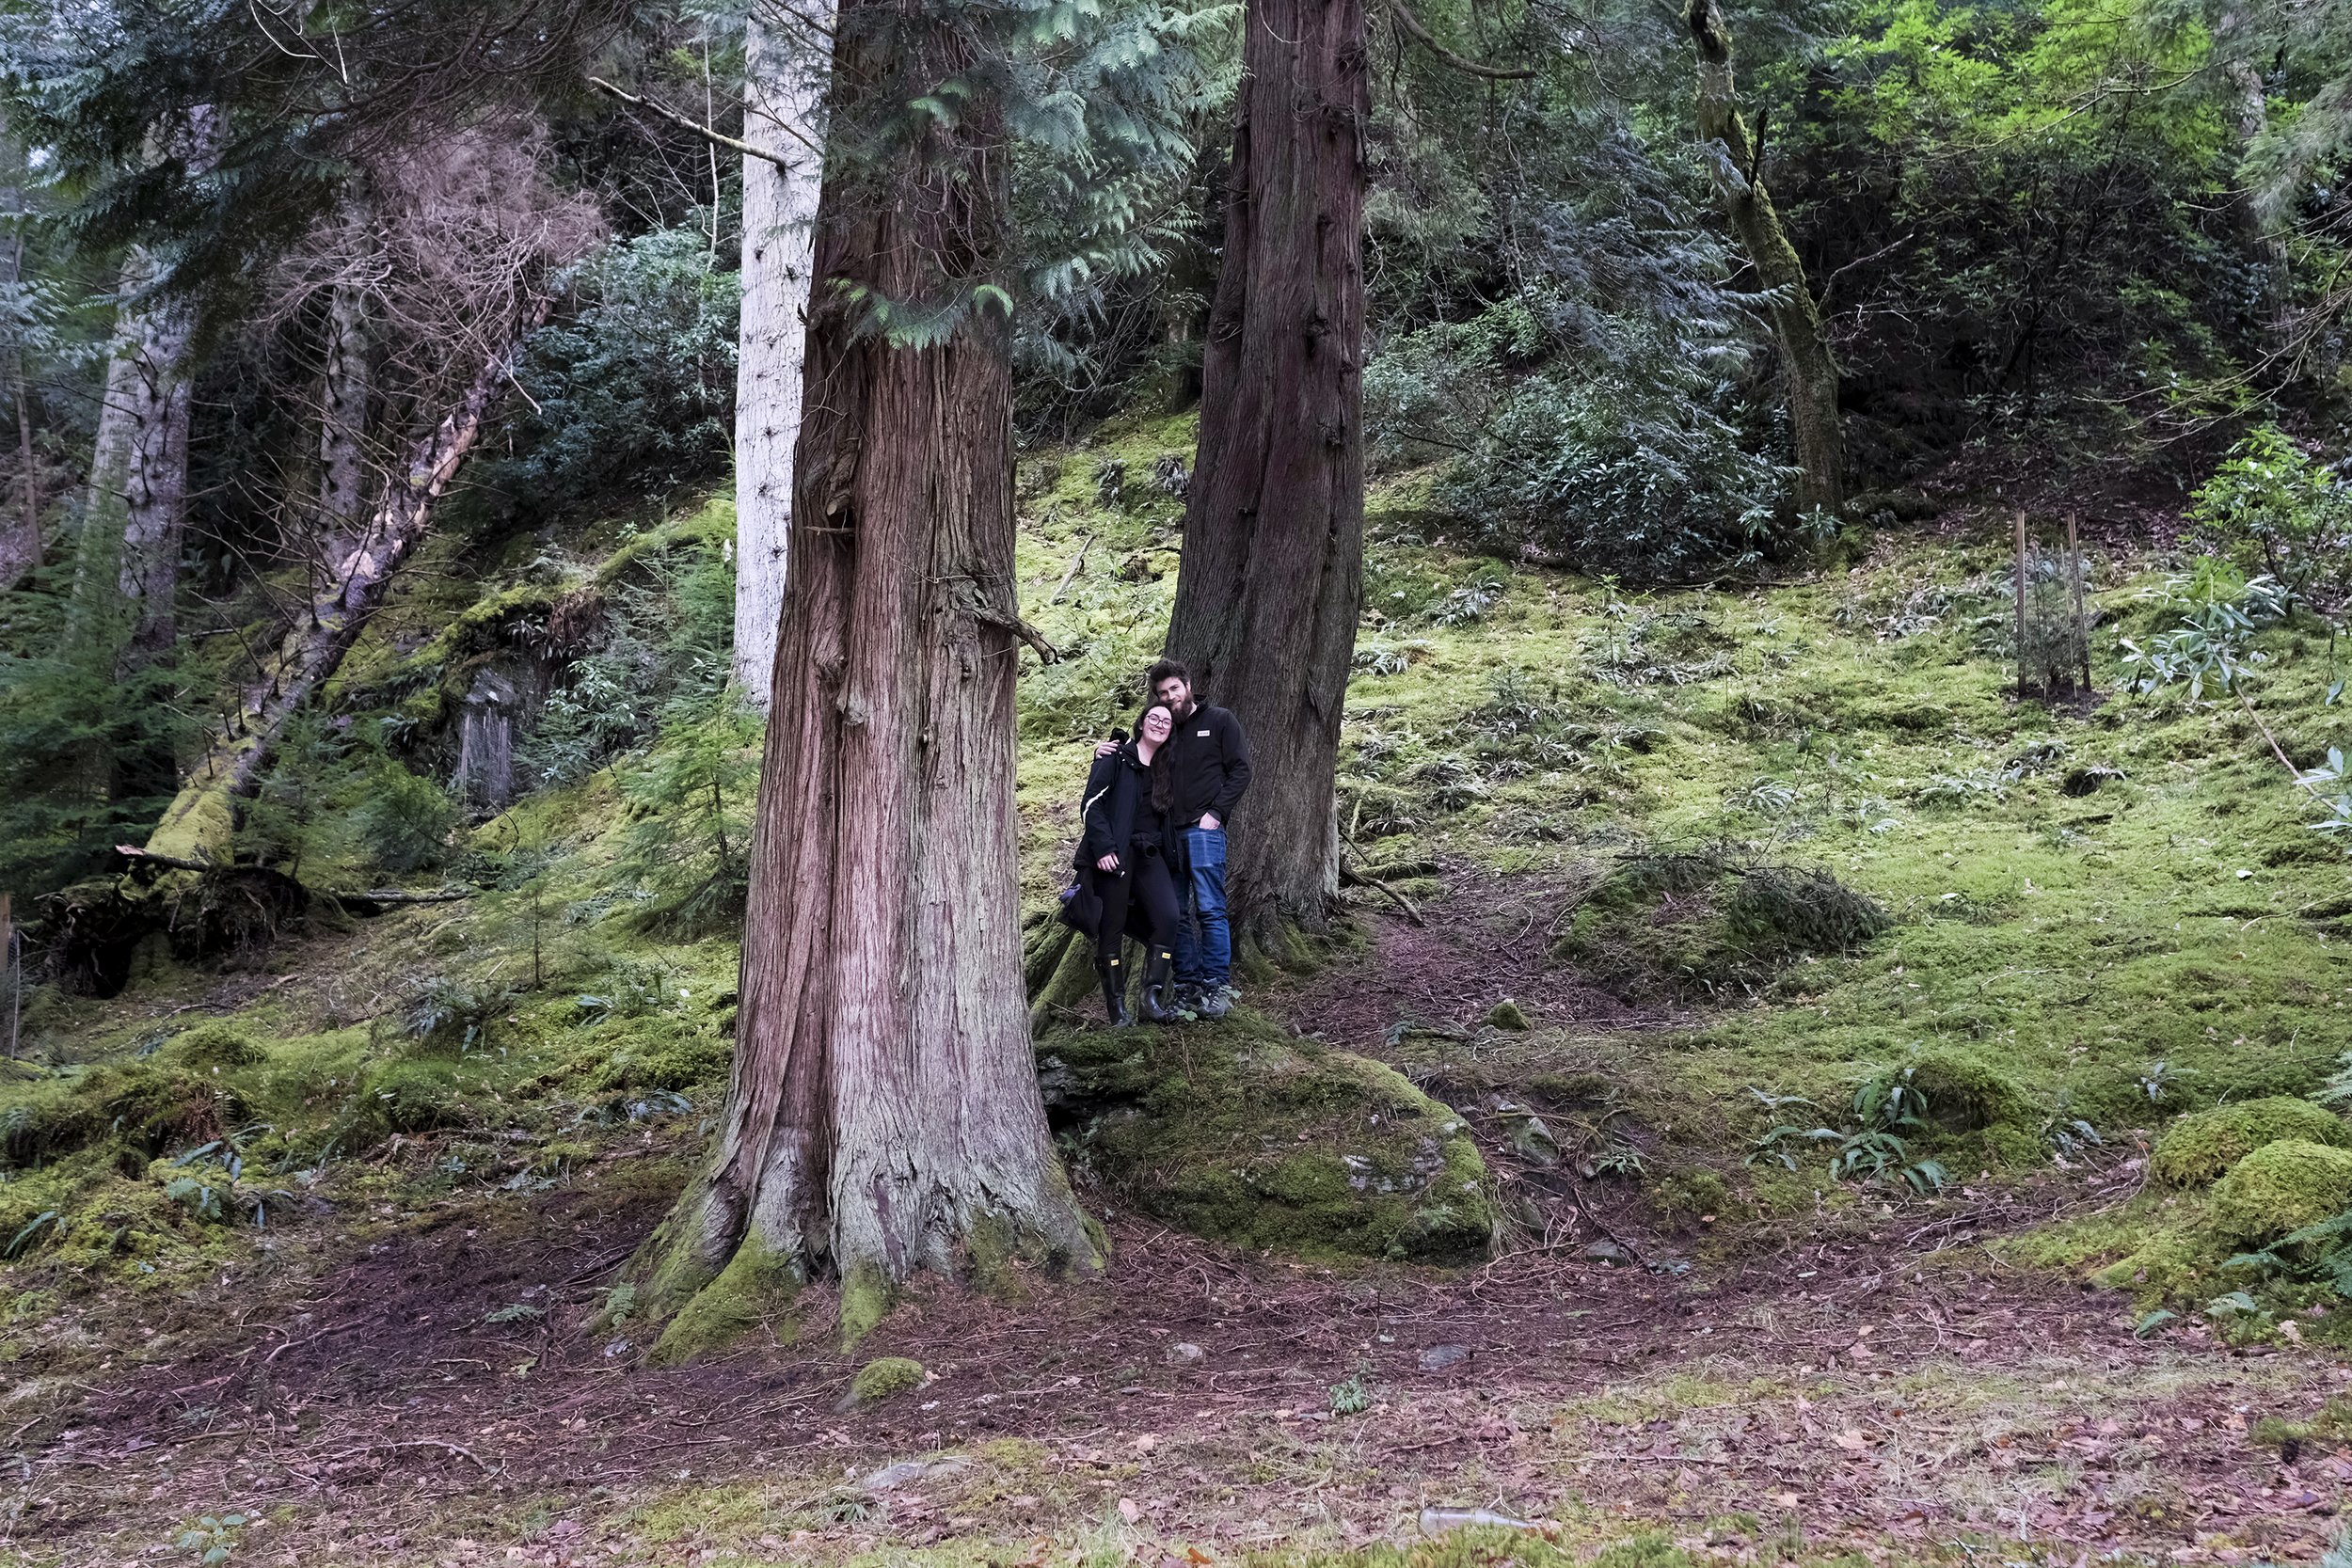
[{"x": 1876, "y": 1084}]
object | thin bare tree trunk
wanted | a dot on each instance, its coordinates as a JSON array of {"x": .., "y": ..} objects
[
  {"x": 343, "y": 429},
  {"x": 198, "y": 824},
  {"x": 1809, "y": 368},
  {"x": 20, "y": 539},
  {"x": 782, "y": 111},
  {"x": 883, "y": 1116},
  {"x": 1272, "y": 580}
]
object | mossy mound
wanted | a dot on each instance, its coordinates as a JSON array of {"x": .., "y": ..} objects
[
  {"x": 2282, "y": 1187},
  {"x": 883, "y": 1378},
  {"x": 1703, "y": 921},
  {"x": 2201, "y": 1147},
  {"x": 1960, "y": 1093},
  {"x": 1234, "y": 1132},
  {"x": 654, "y": 1053},
  {"x": 217, "y": 1045}
]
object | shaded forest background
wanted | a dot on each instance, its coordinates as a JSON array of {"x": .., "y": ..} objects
[{"x": 2068, "y": 252}]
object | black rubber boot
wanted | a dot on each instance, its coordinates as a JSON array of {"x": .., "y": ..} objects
[
  {"x": 1159, "y": 988},
  {"x": 1114, "y": 993}
]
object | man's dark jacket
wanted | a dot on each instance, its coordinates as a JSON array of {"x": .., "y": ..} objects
[{"x": 1209, "y": 758}]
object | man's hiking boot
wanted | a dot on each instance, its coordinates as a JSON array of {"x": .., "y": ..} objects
[
  {"x": 1114, "y": 994},
  {"x": 1217, "y": 1000},
  {"x": 1159, "y": 988}
]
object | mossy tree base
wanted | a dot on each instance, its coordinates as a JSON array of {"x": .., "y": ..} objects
[{"x": 1233, "y": 1132}]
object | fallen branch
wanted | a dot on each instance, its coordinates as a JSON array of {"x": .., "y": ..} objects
[
  {"x": 394, "y": 895},
  {"x": 1350, "y": 877},
  {"x": 1063, "y": 586},
  {"x": 174, "y": 863},
  {"x": 717, "y": 139}
]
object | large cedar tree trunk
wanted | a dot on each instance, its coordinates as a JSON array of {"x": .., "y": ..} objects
[
  {"x": 1810, "y": 371},
  {"x": 884, "y": 1115},
  {"x": 1272, "y": 580},
  {"x": 782, "y": 98}
]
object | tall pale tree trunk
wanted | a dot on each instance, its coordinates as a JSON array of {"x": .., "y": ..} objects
[
  {"x": 783, "y": 102},
  {"x": 2234, "y": 39},
  {"x": 883, "y": 1116},
  {"x": 1808, "y": 368},
  {"x": 1272, "y": 579},
  {"x": 139, "y": 467},
  {"x": 201, "y": 820}
]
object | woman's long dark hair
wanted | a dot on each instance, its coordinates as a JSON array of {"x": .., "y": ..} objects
[{"x": 1163, "y": 778}]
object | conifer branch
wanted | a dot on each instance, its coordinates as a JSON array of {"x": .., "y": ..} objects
[
  {"x": 1422, "y": 35},
  {"x": 717, "y": 139}
]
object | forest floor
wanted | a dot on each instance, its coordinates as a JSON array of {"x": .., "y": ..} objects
[
  {"x": 1740, "y": 858},
  {"x": 1880, "y": 1392}
]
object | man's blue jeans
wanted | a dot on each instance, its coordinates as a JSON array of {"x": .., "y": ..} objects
[{"x": 1204, "y": 944}]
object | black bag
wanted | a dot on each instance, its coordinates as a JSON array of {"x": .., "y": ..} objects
[{"x": 1081, "y": 906}]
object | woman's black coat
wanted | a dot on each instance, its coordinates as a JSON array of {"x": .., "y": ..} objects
[
  {"x": 1119, "y": 818},
  {"x": 1120, "y": 821}
]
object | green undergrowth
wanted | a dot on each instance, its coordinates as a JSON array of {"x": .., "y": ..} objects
[{"x": 1803, "y": 833}]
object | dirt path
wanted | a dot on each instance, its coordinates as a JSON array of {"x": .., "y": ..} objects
[
  {"x": 1852, "y": 1395},
  {"x": 1873, "y": 1382}
]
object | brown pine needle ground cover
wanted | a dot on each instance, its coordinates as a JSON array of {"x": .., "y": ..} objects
[
  {"x": 1865, "y": 1394},
  {"x": 1734, "y": 857}
]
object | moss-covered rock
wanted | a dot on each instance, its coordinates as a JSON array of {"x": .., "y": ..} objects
[
  {"x": 216, "y": 1046},
  {"x": 883, "y": 1378},
  {"x": 1699, "y": 922},
  {"x": 1506, "y": 1014},
  {"x": 1235, "y": 1132},
  {"x": 2282, "y": 1187},
  {"x": 2200, "y": 1147},
  {"x": 1961, "y": 1093}
]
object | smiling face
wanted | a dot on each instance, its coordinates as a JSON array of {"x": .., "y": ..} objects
[
  {"x": 1175, "y": 691},
  {"x": 1158, "y": 723}
]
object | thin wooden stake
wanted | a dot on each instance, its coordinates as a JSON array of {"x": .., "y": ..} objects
[
  {"x": 2082, "y": 617},
  {"x": 12, "y": 969},
  {"x": 2020, "y": 607}
]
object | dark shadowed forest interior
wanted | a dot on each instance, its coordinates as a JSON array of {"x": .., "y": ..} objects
[{"x": 1730, "y": 944}]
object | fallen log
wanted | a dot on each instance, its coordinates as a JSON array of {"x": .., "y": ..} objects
[{"x": 197, "y": 827}]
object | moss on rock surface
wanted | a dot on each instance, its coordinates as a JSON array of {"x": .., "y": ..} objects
[
  {"x": 2282, "y": 1187},
  {"x": 1234, "y": 1133},
  {"x": 1964, "y": 1094},
  {"x": 883, "y": 1377},
  {"x": 2201, "y": 1147}
]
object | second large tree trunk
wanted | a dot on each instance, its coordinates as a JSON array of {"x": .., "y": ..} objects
[
  {"x": 1811, "y": 371},
  {"x": 1272, "y": 579},
  {"x": 883, "y": 1116},
  {"x": 780, "y": 101}
]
